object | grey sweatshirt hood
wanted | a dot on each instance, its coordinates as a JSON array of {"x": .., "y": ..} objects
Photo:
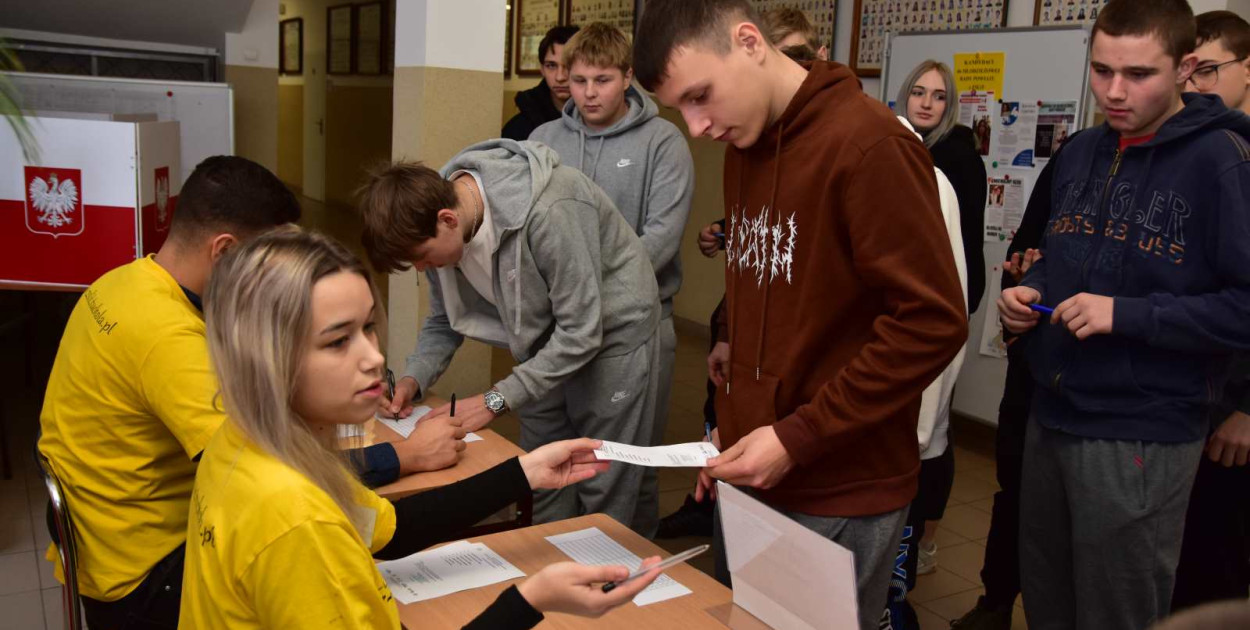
[
  {"x": 517, "y": 171},
  {"x": 644, "y": 165}
]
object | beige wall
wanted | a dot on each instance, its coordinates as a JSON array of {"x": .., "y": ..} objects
[
  {"x": 255, "y": 113},
  {"x": 358, "y": 135},
  {"x": 291, "y": 135}
]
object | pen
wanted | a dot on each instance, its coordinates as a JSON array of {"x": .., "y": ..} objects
[
  {"x": 1042, "y": 309},
  {"x": 453, "y": 405},
  {"x": 390, "y": 387},
  {"x": 707, "y": 430},
  {"x": 681, "y": 557}
]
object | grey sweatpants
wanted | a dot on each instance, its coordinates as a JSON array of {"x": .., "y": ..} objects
[
  {"x": 611, "y": 398},
  {"x": 872, "y": 539},
  {"x": 1100, "y": 529},
  {"x": 648, "y": 517}
]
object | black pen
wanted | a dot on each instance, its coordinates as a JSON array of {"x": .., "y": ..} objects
[
  {"x": 390, "y": 387},
  {"x": 453, "y": 405}
]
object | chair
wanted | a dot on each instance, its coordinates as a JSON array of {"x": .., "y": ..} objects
[{"x": 63, "y": 525}]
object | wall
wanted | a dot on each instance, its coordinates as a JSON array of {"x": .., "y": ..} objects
[
  {"x": 291, "y": 133},
  {"x": 252, "y": 70},
  {"x": 359, "y": 113}
]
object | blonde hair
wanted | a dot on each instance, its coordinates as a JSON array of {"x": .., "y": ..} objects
[
  {"x": 258, "y": 311},
  {"x": 600, "y": 45},
  {"x": 782, "y": 22},
  {"x": 949, "y": 118}
]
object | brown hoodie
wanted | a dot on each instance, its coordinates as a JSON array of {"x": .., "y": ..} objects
[{"x": 843, "y": 301}]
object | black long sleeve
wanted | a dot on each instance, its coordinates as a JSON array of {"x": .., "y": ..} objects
[
  {"x": 956, "y": 156},
  {"x": 509, "y": 611},
  {"x": 434, "y": 516}
]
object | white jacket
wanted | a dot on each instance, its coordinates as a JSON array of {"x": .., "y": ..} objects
[{"x": 935, "y": 403}]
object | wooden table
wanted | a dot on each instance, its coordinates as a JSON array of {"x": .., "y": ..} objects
[
  {"x": 708, "y": 606},
  {"x": 492, "y": 450}
]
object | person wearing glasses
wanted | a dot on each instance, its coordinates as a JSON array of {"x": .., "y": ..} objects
[{"x": 1215, "y": 551}]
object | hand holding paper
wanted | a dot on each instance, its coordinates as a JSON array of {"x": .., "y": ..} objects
[
  {"x": 689, "y": 455},
  {"x": 758, "y": 460}
]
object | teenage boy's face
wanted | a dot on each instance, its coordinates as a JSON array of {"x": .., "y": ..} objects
[
  {"x": 1136, "y": 82},
  {"x": 1230, "y": 80},
  {"x": 926, "y": 103},
  {"x": 445, "y": 248},
  {"x": 555, "y": 74},
  {"x": 340, "y": 377},
  {"x": 599, "y": 93},
  {"x": 722, "y": 97}
]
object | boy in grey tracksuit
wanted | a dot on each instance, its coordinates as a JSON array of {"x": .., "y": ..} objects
[
  {"x": 547, "y": 268},
  {"x": 643, "y": 163}
]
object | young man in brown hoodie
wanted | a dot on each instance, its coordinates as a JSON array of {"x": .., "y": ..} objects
[{"x": 843, "y": 300}]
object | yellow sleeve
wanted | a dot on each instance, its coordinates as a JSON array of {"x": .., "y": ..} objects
[
  {"x": 318, "y": 576},
  {"x": 178, "y": 383},
  {"x": 384, "y": 521}
]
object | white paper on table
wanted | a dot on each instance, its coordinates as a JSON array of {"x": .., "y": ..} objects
[
  {"x": 449, "y": 569},
  {"x": 688, "y": 455},
  {"x": 406, "y": 425},
  {"x": 593, "y": 547}
]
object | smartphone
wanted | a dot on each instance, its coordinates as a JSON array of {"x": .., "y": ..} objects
[{"x": 677, "y": 559}]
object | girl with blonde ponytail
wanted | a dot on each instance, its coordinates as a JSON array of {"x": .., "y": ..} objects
[{"x": 281, "y": 533}]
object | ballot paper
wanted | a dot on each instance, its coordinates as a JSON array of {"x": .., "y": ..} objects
[
  {"x": 406, "y": 425},
  {"x": 688, "y": 455},
  {"x": 592, "y": 546},
  {"x": 452, "y": 568}
]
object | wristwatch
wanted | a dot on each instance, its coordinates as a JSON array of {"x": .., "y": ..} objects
[{"x": 495, "y": 401}]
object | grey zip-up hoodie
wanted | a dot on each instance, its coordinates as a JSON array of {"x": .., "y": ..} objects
[
  {"x": 571, "y": 280},
  {"x": 643, "y": 163}
]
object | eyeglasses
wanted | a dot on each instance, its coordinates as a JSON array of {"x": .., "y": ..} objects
[{"x": 1206, "y": 77}]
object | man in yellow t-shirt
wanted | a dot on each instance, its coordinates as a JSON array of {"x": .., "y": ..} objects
[{"x": 131, "y": 403}]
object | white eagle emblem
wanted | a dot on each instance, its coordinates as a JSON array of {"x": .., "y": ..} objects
[{"x": 55, "y": 200}]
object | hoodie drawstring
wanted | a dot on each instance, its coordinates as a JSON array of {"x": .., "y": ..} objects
[{"x": 768, "y": 269}]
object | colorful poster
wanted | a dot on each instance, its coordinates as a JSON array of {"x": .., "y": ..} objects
[
  {"x": 974, "y": 113},
  {"x": 980, "y": 72},
  {"x": 1016, "y": 133},
  {"x": 1004, "y": 208},
  {"x": 1056, "y": 120}
]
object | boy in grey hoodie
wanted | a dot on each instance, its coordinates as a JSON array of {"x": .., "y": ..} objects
[
  {"x": 525, "y": 254},
  {"x": 613, "y": 133}
]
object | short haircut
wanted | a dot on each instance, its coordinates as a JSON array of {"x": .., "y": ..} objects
[
  {"x": 1227, "y": 28},
  {"x": 800, "y": 53},
  {"x": 667, "y": 25},
  {"x": 399, "y": 206},
  {"x": 230, "y": 194},
  {"x": 1171, "y": 21},
  {"x": 600, "y": 45},
  {"x": 557, "y": 35},
  {"x": 783, "y": 22}
]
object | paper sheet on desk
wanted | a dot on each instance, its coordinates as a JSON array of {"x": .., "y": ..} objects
[
  {"x": 449, "y": 569},
  {"x": 406, "y": 425},
  {"x": 592, "y": 546},
  {"x": 688, "y": 455}
]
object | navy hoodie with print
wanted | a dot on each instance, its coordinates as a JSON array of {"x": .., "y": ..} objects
[{"x": 1164, "y": 228}]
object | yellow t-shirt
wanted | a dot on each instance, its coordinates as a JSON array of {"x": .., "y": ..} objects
[
  {"x": 128, "y": 406},
  {"x": 268, "y": 549}
]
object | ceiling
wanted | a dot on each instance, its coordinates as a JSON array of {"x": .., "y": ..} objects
[{"x": 187, "y": 22}]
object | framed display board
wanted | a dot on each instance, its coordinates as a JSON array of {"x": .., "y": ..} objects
[
  {"x": 534, "y": 19},
  {"x": 823, "y": 14},
  {"x": 339, "y": 29},
  {"x": 291, "y": 46},
  {"x": 507, "y": 41},
  {"x": 370, "y": 26},
  {"x": 618, "y": 13},
  {"x": 1064, "y": 12},
  {"x": 875, "y": 18}
]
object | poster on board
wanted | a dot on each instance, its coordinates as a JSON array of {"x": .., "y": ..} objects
[
  {"x": 974, "y": 113},
  {"x": 1056, "y": 120},
  {"x": 1004, "y": 208},
  {"x": 992, "y": 344},
  {"x": 1017, "y": 127}
]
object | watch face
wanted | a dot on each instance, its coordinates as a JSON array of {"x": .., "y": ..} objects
[{"x": 494, "y": 401}]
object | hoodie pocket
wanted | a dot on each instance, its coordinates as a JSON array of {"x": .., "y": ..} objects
[
  {"x": 749, "y": 405},
  {"x": 1164, "y": 374}
]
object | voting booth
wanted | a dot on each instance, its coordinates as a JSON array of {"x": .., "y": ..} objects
[{"x": 102, "y": 193}]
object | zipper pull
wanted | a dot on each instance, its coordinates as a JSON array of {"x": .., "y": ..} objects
[{"x": 1115, "y": 164}]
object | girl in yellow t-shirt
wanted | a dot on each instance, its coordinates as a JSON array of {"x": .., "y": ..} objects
[{"x": 280, "y": 534}]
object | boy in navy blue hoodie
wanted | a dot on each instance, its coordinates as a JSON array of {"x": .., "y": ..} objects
[{"x": 1147, "y": 266}]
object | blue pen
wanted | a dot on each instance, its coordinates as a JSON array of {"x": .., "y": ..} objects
[
  {"x": 707, "y": 430},
  {"x": 1042, "y": 309}
]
